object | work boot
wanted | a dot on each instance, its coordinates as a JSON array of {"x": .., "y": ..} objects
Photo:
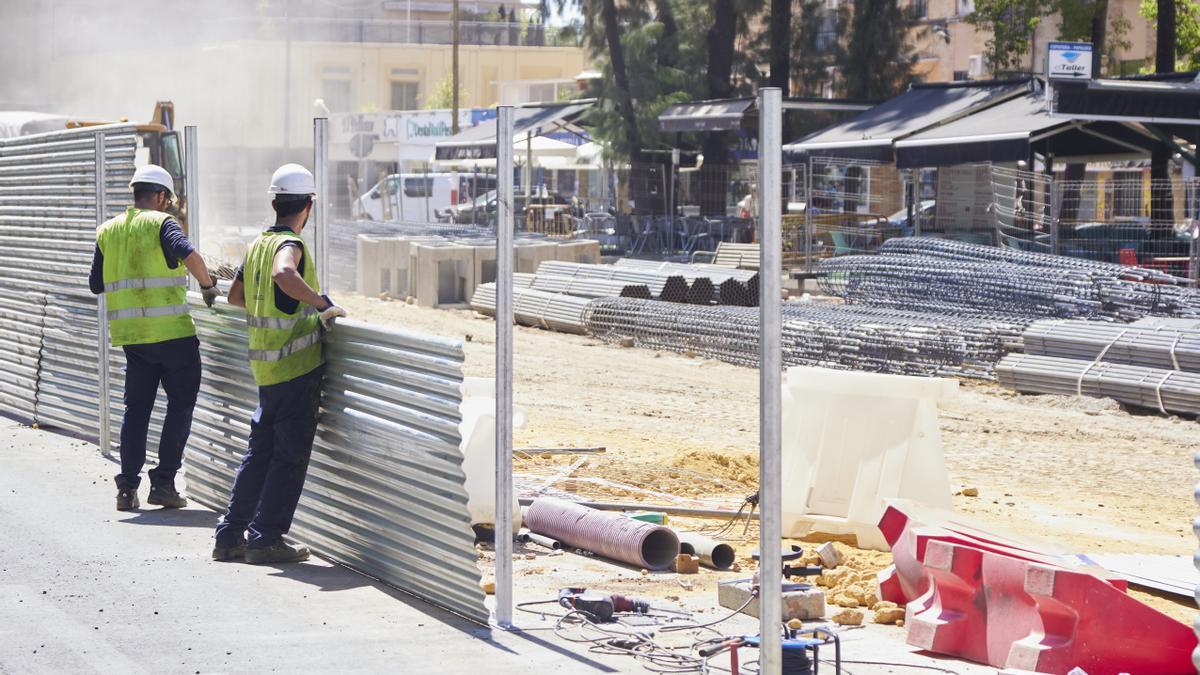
[
  {"x": 229, "y": 553},
  {"x": 279, "y": 552},
  {"x": 127, "y": 499},
  {"x": 166, "y": 496}
]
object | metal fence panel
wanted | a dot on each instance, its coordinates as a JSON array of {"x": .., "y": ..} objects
[{"x": 386, "y": 491}]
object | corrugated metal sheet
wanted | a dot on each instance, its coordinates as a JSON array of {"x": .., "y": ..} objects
[
  {"x": 385, "y": 488},
  {"x": 385, "y": 491}
]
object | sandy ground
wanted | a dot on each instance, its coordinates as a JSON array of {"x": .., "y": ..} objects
[{"x": 1082, "y": 473}]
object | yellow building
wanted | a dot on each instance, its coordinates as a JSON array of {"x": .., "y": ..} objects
[{"x": 950, "y": 48}]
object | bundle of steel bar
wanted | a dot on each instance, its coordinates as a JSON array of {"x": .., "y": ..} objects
[
  {"x": 957, "y": 250},
  {"x": 666, "y": 287},
  {"x": 1167, "y": 391},
  {"x": 731, "y": 286},
  {"x": 998, "y": 289},
  {"x": 584, "y": 287},
  {"x": 834, "y": 336},
  {"x": 553, "y": 311},
  {"x": 1164, "y": 348}
]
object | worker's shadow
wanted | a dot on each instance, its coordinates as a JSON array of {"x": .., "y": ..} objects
[
  {"x": 174, "y": 518},
  {"x": 324, "y": 577}
]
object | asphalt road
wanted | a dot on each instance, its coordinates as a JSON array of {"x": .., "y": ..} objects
[{"x": 85, "y": 588}]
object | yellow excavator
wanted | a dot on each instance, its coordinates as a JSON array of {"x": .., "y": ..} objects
[{"x": 165, "y": 147}]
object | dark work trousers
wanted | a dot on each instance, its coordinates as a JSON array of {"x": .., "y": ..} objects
[
  {"x": 176, "y": 365},
  {"x": 271, "y": 477}
]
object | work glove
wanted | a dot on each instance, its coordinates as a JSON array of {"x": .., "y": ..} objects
[
  {"x": 330, "y": 314},
  {"x": 210, "y": 294}
]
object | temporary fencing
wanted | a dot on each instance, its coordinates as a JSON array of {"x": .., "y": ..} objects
[{"x": 385, "y": 493}]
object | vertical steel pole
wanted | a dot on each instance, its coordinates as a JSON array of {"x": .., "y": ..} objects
[
  {"x": 916, "y": 181},
  {"x": 191, "y": 186},
  {"x": 770, "y": 358},
  {"x": 321, "y": 212},
  {"x": 102, "y": 307},
  {"x": 504, "y": 359},
  {"x": 809, "y": 233}
]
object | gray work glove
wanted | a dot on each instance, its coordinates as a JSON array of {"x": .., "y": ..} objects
[
  {"x": 210, "y": 294},
  {"x": 330, "y": 314}
]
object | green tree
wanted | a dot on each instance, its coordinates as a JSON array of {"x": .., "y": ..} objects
[
  {"x": 442, "y": 95},
  {"x": 1011, "y": 24},
  {"x": 878, "y": 60},
  {"x": 1187, "y": 31}
]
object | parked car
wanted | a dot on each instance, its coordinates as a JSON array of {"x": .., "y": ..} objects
[{"x": 420, "y": 196}]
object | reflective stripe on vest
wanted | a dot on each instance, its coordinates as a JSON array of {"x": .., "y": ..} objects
[
  {"x": 146, "y": 312},
  {"x": 158, "y": 282},
  {"x": 287, "y": 350},
  {"x": 274, "y": 323},
  {"x": 146, "y": 297}
]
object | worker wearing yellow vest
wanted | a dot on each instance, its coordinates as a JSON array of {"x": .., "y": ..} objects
[
  {"x": 137, "y": 266},
  {"x": 285, "y": 316}
]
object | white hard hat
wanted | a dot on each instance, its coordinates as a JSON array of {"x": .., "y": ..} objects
[
  {"x": 155, "y": 175},
  {"x": 292, "y": 179}
]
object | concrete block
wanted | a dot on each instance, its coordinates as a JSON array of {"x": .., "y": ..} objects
[
  {"x": 800, "y": 601},
  {"x": 530, "y": 254},
  {"x": 580, "y": 250},
  {"x": 442, "y": 273},
  {"x": 370, "y": 254}
]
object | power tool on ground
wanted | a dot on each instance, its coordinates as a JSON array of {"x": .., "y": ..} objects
[{"x": 600, "y": 607}]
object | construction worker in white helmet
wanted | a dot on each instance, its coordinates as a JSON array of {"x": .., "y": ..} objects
[
  {"x": 139, "y": 265},
  {"x": 285, "y": 317}
]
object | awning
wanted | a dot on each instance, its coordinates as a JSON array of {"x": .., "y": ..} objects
[
  {"x": 728, "y": 114},
  {"x": 1011, "y": 131},
  {"x": 870, "y": 135},
  {"x": 480, "y": 142},
  {"x": 1172, "y": 102}
]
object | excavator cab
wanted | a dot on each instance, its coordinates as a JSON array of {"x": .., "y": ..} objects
[{"x": 164, "y": 147}]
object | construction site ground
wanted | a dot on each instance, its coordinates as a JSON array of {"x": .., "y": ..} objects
[{"x": 1083, "y": 474}]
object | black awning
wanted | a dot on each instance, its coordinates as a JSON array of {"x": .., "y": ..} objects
[
  {"x": 728, "y": 114},
  {"x": 870, "y": 135},
  {"x": 1011, "y": 131},
  {"x": 717, "y": 115},
  {"x": 479, "y": 142},
  {"x": 1169, "y": 102}
]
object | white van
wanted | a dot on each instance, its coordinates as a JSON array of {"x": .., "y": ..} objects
[{"x": 420, "y": 197}]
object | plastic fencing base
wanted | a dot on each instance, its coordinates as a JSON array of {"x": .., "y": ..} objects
[{"x": 999, "y": 605}]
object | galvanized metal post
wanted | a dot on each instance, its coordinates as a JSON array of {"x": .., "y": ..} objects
[
  {"x": 321, "y": 210},
  {"x": 809, "y": 234},
  {"x": 916, "y": 189},
  {"x": 104, "y": 375},
  {"x": 770, "y": 358},
  {"x": 191, "y": 182},
  {"x": 504, "y": 358},
  {"x": 1055, "y": 208}
]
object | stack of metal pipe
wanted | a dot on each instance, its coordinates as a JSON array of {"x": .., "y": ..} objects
[
  {"x": 663, "y": 286},
  {"x": 584, "y": 287},
  {"x": 998, "y": 289},
  {"x": 1168, "y": 391},
  {"x": 834, "y": 336},
  {"x": 731, "y": 286},
  {"x": 552, "y": 311},
  {"x": 1148, "y": 366},
  {"x": 958, "y": 250},
  {"x": 1164, "y": 348}
]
